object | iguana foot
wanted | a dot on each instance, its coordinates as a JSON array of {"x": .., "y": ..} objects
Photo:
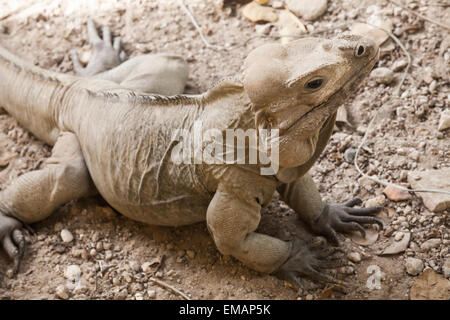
[
  {"x": 306, "y": 260},
  {"x": 12, "y": 240},
  {"x": 105, "y": 55},
  {"x": 344, "y": 218}
]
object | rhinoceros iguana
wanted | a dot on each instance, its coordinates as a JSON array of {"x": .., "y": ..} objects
[{"x": 114, "y": 130}]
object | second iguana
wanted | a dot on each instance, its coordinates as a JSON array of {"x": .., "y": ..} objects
[{"x": 113, "y": 133}]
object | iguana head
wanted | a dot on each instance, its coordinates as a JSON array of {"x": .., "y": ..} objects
[{"x": 296, "y": 87}]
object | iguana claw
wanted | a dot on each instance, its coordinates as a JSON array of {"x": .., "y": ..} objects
[
  {"x": 306, "y": 260},
  {"x": 12, "y": 240}
]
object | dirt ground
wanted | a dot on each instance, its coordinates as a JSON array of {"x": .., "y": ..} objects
[{"x": 112, "y": 250}]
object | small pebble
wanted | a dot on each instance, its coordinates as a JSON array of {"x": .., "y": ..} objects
[
  {"x": 382, "y": 75},
  {"x": 66, "y": 236},
  {"x": 414, "y": 266},
  {"x": 190, "y": 254},
  {"x": 62, "y": 292},
  {"x": 151, "y": 294},
  {"x": 446, "y": 268},
  {"x": 354, "y": 257},
  {"x": 349, "y": 155},
  {"x": 430, "y": 244},
  {"x": 139, "y": 296}
]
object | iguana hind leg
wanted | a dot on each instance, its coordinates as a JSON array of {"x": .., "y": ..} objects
[
  {"x": 105, "y": 55},
  {"x": 163, "y": 74},
  {"x": 35, "y": 195}
]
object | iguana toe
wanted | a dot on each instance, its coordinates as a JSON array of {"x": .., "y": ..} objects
[{"x": 13, "y": 240}]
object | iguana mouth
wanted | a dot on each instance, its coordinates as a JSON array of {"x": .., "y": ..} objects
[{"x": 334, "y": 101}]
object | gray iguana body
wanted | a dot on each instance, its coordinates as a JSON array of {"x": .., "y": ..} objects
[{"x": 111, "y": 138}]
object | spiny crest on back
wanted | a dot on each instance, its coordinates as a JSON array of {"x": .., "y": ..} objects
[{"x": 148, "y": 99}]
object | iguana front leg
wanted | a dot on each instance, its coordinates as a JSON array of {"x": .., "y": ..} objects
[
  {"x": 325, "y": 219},
  {"x": 105, "y": 56},
  {"x": 232, "y": 218}
]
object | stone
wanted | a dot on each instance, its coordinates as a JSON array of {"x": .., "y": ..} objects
[
  {"x": 290, "y": 27},
  {"x": 73, "y": 272},
  {"x": 399, "y": 65},
  {"x": 446, "y": 268},
  {"x": 444, "y": 121},
  {"x": 139, "y": 296},
  {"x": 262, "y": 1},
  {"x": 432, "y": 179},
  {"x": 66, "y": 236},
  {"x": 278, "y": 5},
  {"x": 397, "y": 246},
  {"x": 190, "y": 254},
  {"x": 263, "y": 29},
  {"x": 430, "y": 286},
  {"x": 257, "y": 13},
  {"x": 382, "y": 75},
  {"x": 396, "y": 194},
  {"x": 308, "y": 10},
  {"x": 430, "y": 244},
  {"x": 151, "y": 294},
  {"x": 375, "y": 202},
  {"x": 354, "y": 257},
  {"x": 413, "y": 266},
  {"x": 349, "y": 155},
  {"x": 62, "y": 292}
]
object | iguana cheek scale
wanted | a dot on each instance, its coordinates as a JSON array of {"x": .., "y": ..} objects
[{"x": 113, "y": 134}]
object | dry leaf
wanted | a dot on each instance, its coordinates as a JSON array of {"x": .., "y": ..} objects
[
  {"x": 430, "y": 286},
  {"x": 371, "y": 237},
  {"x": 366, "y": 30}
]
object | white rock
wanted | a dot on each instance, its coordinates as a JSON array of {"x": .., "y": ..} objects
[
  {"x": 66, "y": 236},
  {"x": 73, "y": 272},
  {"x": 444, "y": 122},
  {"x": 354, "y": 257},
  {"x": 399, "y": 65},
  {"x": 277, "y": 5},
  {"x": 432, "y": 179},
  {"x": 430, "y": 244},
  {"x": 307, "y": 9},
  {"x": 62, "y": 292},
  {"x": 139, "y": 296},
  {"x": 379, "y": 200},
  {"x": 151, "y": 294},
  {"x": 382, "y": 75},
  {"x": 414, "y": 266},
  {"x": 446, "y": 268}
]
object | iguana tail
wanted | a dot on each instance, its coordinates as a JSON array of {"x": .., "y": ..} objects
[{"x": 31, "y": 95}]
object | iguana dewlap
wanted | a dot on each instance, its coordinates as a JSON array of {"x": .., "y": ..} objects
[{"x": 110, "y": 138}]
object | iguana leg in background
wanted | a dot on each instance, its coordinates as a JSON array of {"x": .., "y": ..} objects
[
  {"x": 163, "y": 74},
  {"x": 36, "y": 194}
]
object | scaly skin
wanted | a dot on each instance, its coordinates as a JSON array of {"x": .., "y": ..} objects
[{"x": 111, "y": 139}]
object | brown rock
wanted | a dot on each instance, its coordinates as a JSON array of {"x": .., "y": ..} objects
[{"x": 396, "y": 194}]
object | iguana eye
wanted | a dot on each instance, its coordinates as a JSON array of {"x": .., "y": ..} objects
[
  {"x": 314, "y": 84},
  {"x": 360, "y": 50}
]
